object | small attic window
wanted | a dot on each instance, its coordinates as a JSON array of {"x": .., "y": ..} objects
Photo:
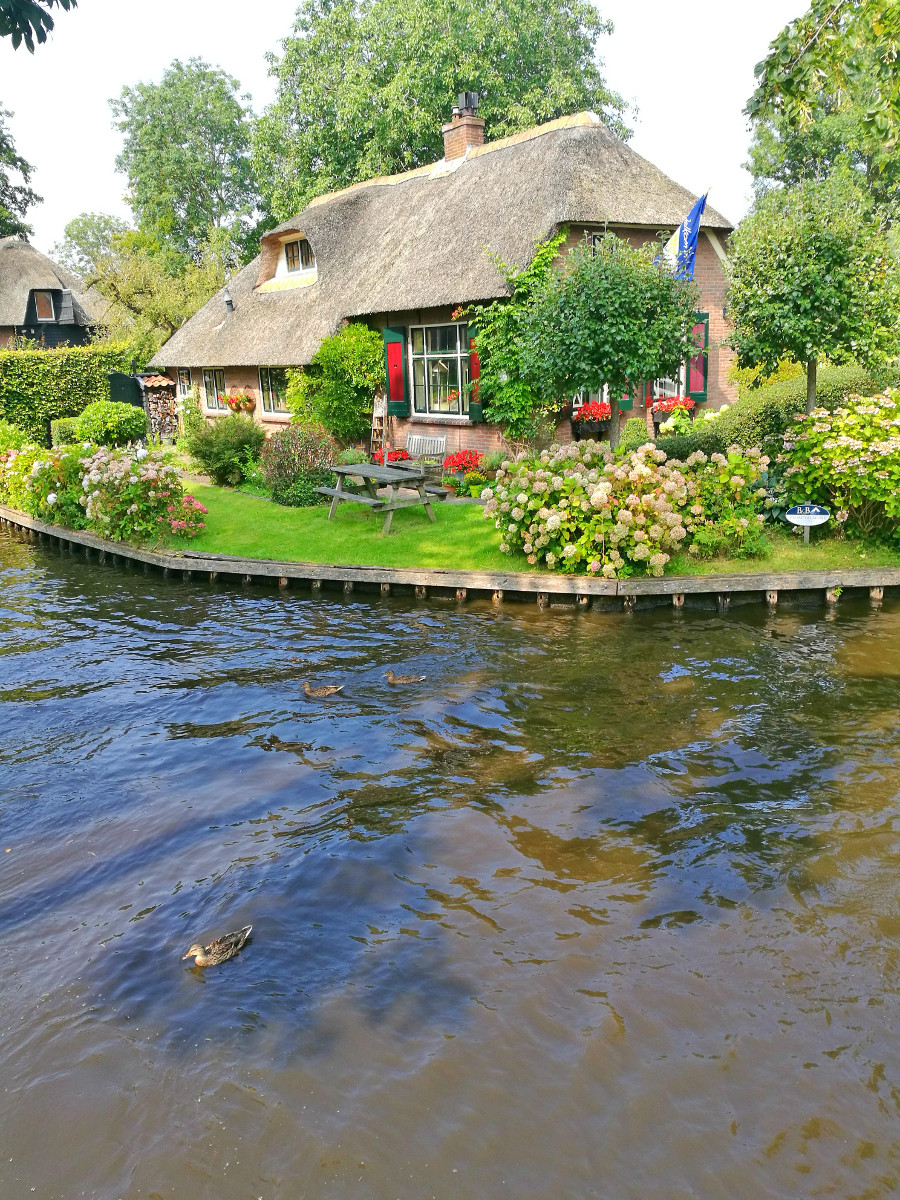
[
  {"x": 299, "y": 255},
  {"x": 43, "y": 303}
]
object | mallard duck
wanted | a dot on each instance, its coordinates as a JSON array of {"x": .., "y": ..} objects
[
  {"x": 392, "y": 678},
  {"x": 220, "y": 950},
  {"x": 329, "y": 689}
]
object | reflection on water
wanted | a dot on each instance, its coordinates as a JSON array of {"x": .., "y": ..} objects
[{"x": 606, "y": 907}]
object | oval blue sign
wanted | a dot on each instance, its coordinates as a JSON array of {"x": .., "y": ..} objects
[{"x": 807, "y": 514}]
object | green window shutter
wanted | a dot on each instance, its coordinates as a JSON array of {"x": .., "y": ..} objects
[
  {"x": 697, "y": 373},
  {"x": 395, "y": 371}
]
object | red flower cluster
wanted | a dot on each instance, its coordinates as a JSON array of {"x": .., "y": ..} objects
[
  {"x": 462, "y": 460},
  {"x": 672, "y": 403},
  {"x": 393, "y": 456},
  {"x": 597, "y": 410}
]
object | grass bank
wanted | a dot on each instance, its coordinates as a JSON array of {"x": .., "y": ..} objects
[{"x": 256, "y": 528}]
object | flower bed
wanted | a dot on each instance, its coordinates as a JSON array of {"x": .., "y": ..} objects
[
  {"x": 127, "y": 495},
  {"x": 849, "y": 460},
  {"x": 393, "y": 456},
  {"x": 577, "y": 508}
]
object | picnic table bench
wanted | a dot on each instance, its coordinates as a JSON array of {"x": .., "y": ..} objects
[{"x": 373, "y": 477}]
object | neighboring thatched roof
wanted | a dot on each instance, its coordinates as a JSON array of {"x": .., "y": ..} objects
[
  {"x": 421, "y": 240},
  {"x": 24, "y": 270}
]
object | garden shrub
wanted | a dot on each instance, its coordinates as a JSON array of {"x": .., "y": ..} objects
[
  {"x": 127, "y": 495},
  {"x": 109, "y": 423},
  {"x": 849, "y": 460},
  {"x": 348, "y": 457},
  {"x": 633, "y": 435},
  {"x": 63, "y": 431},
  {"x": 191, "y": 414},
  {"x": 579, "y": 508},
  {"x": 222, "y": 447},
  {"x": 297, "y": 460},
  {"x": 493, "y": 460},
  {"x": 37, "y": 386},
  {"x": 12, "y": 437}
]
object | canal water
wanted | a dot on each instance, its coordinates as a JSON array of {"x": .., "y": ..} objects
[{"x": 606, "y": 907}]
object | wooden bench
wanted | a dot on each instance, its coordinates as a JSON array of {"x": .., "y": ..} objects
[
  {"x": 427, "y": 450},
  {"x": 352, "y": 494}
]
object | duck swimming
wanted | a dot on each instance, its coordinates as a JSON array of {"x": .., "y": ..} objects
[
  {"x": 329, "y": 689},
  {"x": 392, "y": 678},
  {"x": 220, "y": 950}
]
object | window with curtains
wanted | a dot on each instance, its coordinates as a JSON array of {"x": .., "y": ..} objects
[
  {"x": 214, "y": 389},
  {"x": 43, "y": 303},
  {"x": 273, "y": 389},
  {"x": 439, "y": 370},
  {"x": 299, "y": 255},
  {"x": 184, "y": 382}
]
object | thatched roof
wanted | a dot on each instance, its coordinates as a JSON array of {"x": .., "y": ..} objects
[
  {"x": 24, "y": 270},
  {"x": 421, "y": 240}
]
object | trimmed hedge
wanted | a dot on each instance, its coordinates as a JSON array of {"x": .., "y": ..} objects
[
  {"x": 62, "y": 431},
  {"x": 760, "y": 417},
  {"x": 110, "y": 423},
  {"x": 39, "y": 386}
]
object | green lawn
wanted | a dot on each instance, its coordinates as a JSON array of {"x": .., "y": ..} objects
[
  {"x": 790, "y": 554},
  {"x": 255, "y": 528}
]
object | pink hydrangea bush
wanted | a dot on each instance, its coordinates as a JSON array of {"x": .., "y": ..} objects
[
  {"x": 184, "y": 518},
  {"x": 578, "y": 508}
]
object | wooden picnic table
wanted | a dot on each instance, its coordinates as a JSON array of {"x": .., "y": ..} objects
[{"x": 373, "y": 477}]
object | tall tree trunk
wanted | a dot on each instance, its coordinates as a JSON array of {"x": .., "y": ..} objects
[
  {"x": 810, "y": 385},
  {"x": 614, "y": 424}
]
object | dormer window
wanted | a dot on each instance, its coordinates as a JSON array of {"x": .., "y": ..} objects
[
  {"x": 298, "y": 255},
  {"x": 43, "y": 304}
]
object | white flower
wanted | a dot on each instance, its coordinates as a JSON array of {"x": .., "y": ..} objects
[
  {"x": 51, "y": 498},
  {"x": 139, "y": 454}
]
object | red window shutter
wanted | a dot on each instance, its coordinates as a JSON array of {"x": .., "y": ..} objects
[
  {"x": 475, "y": 411},
  {"x": 395, "y": 369},
  {"x": 698, "y": 366}
]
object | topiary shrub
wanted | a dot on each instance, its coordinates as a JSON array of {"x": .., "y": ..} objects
[
  {"x": 223, "y": 447},
  {"x": 338, "y": 388},
  {"x": 297, "y": 460},
  {"x": 633, "y": 435},
  {"x": 63, "y": 431},
  {"x": 108, "y": 423},
  {"x": 12, "y": 437}
]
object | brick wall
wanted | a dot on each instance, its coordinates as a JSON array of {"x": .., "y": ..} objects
[{"x": 247, "y": 379}]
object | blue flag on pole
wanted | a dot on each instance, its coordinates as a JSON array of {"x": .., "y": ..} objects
[{"x": 680, "y": 251}]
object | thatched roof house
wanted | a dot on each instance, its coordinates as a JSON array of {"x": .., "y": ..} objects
[
  {"x": 41, "y": 300},
  {"x": 402, "y": 252}
]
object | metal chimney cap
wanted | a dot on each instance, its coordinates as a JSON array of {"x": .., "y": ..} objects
[
  {"x": 468, "y": 100},
  {"x": 229, "y": 303}
]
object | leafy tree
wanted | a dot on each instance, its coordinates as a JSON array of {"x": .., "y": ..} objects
[
  {"x": 338, "y": 388},
  {"x": 813, "y": 276},
  {"x": 27, "y": 20},
  {"x": 89, "y": 238},
  {"x": 187, "y": 158},
  {"x": 508, "y": 399},
  {"x": 151, "y": 290},
  {"x": 364, "y": 85},
  {"x": 847, "y": 50},
  {"x": 610, "y": 316},
  {"x": 15, "y": 198}
]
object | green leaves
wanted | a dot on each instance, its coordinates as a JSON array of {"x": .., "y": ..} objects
[
  {"x": 15, "y": 198},
  {"x": 365, "y": 85},
  {"x": 813, "y": 276},
  {"x": 339, "y": 386},
  {"x": 609, "y": 316},
  {"x": 29, "y": 20},
  {"x": 187, "y": 158}
]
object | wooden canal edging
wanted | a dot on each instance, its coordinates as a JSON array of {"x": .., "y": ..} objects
[{"x": 708, "y": 591}]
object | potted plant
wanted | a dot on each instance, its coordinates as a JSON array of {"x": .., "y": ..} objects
[
  {"x": 248, "y": 404},
  {"x": 450, "y": 482},
  {"x": 591, "y": 420},
  {"x": 475, "y": 481}
]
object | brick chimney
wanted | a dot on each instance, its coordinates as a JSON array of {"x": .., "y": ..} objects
[{"x": 466, "y": 129}]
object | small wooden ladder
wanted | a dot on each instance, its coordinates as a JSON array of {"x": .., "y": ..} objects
[{"x": 379, "y": 425}]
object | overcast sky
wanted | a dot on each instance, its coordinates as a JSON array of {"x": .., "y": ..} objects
[{"x": 688, "y": 68}]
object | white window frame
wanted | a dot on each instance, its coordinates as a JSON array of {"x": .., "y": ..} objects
[
  {"x": 462, "y": 355},
  {"x": 49, "y": 295},
  {"x": 184, "y": 385},
  {"x": 267, "y": 395},
  {"x": 300, "y": 241},
  {"x": 218, "y": 401}
]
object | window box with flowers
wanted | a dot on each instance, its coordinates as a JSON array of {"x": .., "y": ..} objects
[
  {"x": 663, "y": 409},
  {"x": 591, "y": 420}
]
